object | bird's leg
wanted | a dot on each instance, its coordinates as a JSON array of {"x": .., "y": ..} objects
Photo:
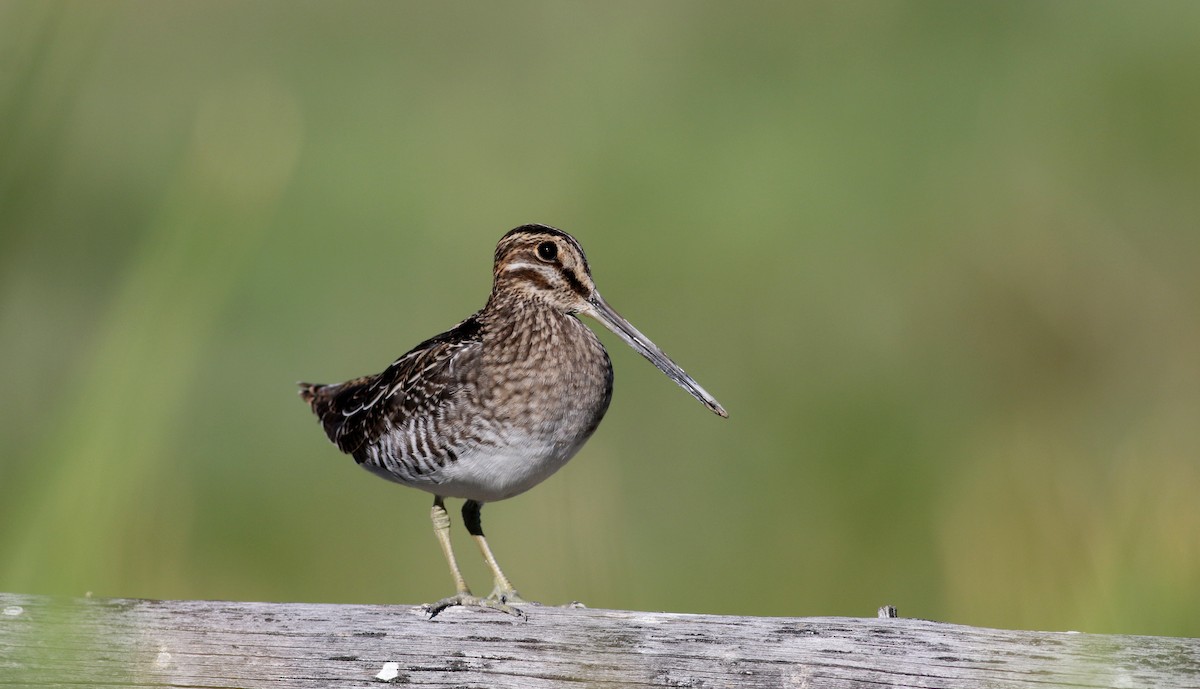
[
  {"x": 504, "y": 591},
  {"x": 441, "y": 528},
  {"x": 463, "y": 596}
]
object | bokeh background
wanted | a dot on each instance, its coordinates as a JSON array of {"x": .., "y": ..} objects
[{"x": 939, "y": 260}]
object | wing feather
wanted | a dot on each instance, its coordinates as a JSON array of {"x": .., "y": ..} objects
[{"x": 358, "y": 413}]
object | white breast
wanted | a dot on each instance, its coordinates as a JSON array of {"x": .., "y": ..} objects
[{"x": 491, "y": 476}]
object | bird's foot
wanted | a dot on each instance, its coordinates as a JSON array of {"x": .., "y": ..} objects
[
  {"x": 468, "y": 600},
  {"x": 510, "y": 595},
  {"x": 505, "y": 596}
]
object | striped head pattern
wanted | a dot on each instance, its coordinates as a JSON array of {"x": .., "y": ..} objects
[{"x": 544, "y": 263}]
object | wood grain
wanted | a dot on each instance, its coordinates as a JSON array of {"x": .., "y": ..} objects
[{"x": 47, "y": 642}]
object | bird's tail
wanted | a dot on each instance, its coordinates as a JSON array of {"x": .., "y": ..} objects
[
  {"x": 328, "y": 402},
  {"x": 322, "y": 400},
  {"x": 313, "y": 393}
]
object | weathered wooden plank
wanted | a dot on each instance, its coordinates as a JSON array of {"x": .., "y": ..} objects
[{"x": 48, "y": 642}]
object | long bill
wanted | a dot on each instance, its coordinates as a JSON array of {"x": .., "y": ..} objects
[{"x": 601, "y": 311}]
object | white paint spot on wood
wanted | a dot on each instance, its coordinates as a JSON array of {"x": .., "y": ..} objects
[
  {"x": 163, "y": 659},
  {"x": 389, "y": 672},
  {"x": 13, "y": 610}
]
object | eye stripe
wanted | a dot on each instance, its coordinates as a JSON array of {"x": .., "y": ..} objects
[
  {"x": 530, "y": 275},
  {"x": 573, "y": 281}
]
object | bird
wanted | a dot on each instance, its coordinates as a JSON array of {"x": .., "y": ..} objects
[{"x": 495, "y": 405}]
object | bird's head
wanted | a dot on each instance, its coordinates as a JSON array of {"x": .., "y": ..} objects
[{"x": 545, "y": 264}]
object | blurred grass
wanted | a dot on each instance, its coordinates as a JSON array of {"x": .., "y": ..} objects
[{"x": 937, "y": 259}]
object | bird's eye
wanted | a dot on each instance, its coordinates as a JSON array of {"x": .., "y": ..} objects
[{"x": 547, "y": 251}]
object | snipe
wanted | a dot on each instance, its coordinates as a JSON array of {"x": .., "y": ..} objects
[{"x": 499, "y": 402}]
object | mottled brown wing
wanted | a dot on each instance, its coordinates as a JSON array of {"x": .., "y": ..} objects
[{"x": 358, "y": 412}]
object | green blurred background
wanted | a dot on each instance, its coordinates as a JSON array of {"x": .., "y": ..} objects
[{"x": 939, "y": 261}]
